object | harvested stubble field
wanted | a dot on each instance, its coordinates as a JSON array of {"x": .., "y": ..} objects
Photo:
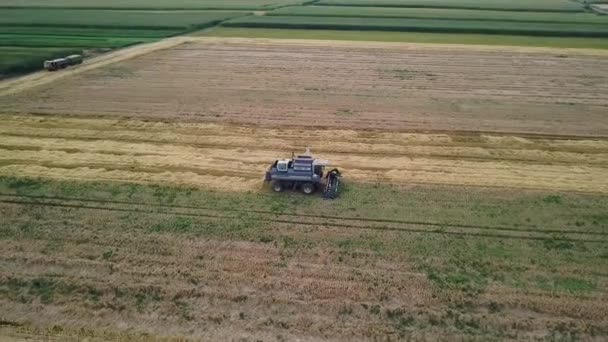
[
  {"x": 474, "y": 206},
  {"x": 345, "y": 85},
  {"x": 235, "y": 157}
]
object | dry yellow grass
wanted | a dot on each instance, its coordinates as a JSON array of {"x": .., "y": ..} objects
[{"x": 232, "y": 157}]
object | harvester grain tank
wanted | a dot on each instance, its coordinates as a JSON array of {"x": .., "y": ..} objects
[
  {"x": 305, "y": 173},
  {"x": 61, "y": 63}
]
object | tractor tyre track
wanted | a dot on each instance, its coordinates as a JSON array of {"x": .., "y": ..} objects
[
  {"x": 530, "y": 228},
  {"x": 447, "y": 229}
]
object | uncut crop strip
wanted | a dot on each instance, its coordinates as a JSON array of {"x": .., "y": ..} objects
[
  {"x": 422, "y": 25},
  {"x": 310, "y": 220}
]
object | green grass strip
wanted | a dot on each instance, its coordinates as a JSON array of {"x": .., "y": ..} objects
[
  {"x": 422, "y": 25},
  {"x": 113, "y": 19},
  {"x": 434, "y": 13},
  {"x": 412, "y": 37},
  {"x": 152, "y": 4},
  {"x": 499, "y": 5}
]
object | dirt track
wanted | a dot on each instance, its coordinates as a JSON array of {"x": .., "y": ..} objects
[
  {"x": 405, "y": 87},
  {"x": 235, "y": 157}
]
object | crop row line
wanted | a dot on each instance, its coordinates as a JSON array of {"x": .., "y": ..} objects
[
  {"x": 534, "y": 137},
  {"x": 388, "y": 154}
]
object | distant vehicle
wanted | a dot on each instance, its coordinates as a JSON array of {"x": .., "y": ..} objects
[
  {"x": 61, "y": 63},
  {"x": 304, "y": 172}
]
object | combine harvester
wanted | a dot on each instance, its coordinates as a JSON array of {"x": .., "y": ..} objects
[
  {"x": 305, "y": 173},
  {"x": 61, "y": 63}
]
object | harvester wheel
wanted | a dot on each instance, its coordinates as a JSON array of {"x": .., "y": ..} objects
[
  {"x": 277, "y": 186},
  {"x": 308, "y": 188}
]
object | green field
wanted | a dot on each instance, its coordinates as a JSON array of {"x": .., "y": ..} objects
[
  {"x": 87, "y": 29},
  {"x": 412, "y": 37},
  {"x": 537, "y": 220},
  {"x": 438, "y": 13},
  {"x": 422, "y": 25},
  {"x": 481, "y": 256},
  {"x": 504, "y": 5},
  {"x": 90, "y": 42},
  {"x": 150, "y": 20},
  {"x": 81, "y": 24},
  {"x": 14, "y": 60},
  {"x": 152, "y": 4},
  {"x": 77, "y": 37}
]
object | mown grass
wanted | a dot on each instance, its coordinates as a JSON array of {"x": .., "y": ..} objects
[
  {"x": 449, "y": 205},
  {"x": 440, "y": 13},
  {"x": 422, "y": 25},
  {"x": 506, "y": 5},
  {"x": 462, "y": 265},
  {"x": 151, "y": 4},
  {"x": 413, "y": 37}
]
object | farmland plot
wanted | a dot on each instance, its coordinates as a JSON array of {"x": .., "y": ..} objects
[
  {"x": 409, "y": 37},
  {"x": 342, "y": 85},
  {"x": 560, "y": 29},
  {"x": 146, "y": 20},
  {"x": 505, "y": 5},
  {"x": 92, "y": 258},
  {"x": 440, "y": 13},
  {"x": 17, "y": 60},
  {"x": 78, "y": 30},
  {"x": 152, "y": 5},
  {"x": 45, "y": 37},
  {"x": 473, "y": 207},
  {"x": 235, "y": 158}
]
